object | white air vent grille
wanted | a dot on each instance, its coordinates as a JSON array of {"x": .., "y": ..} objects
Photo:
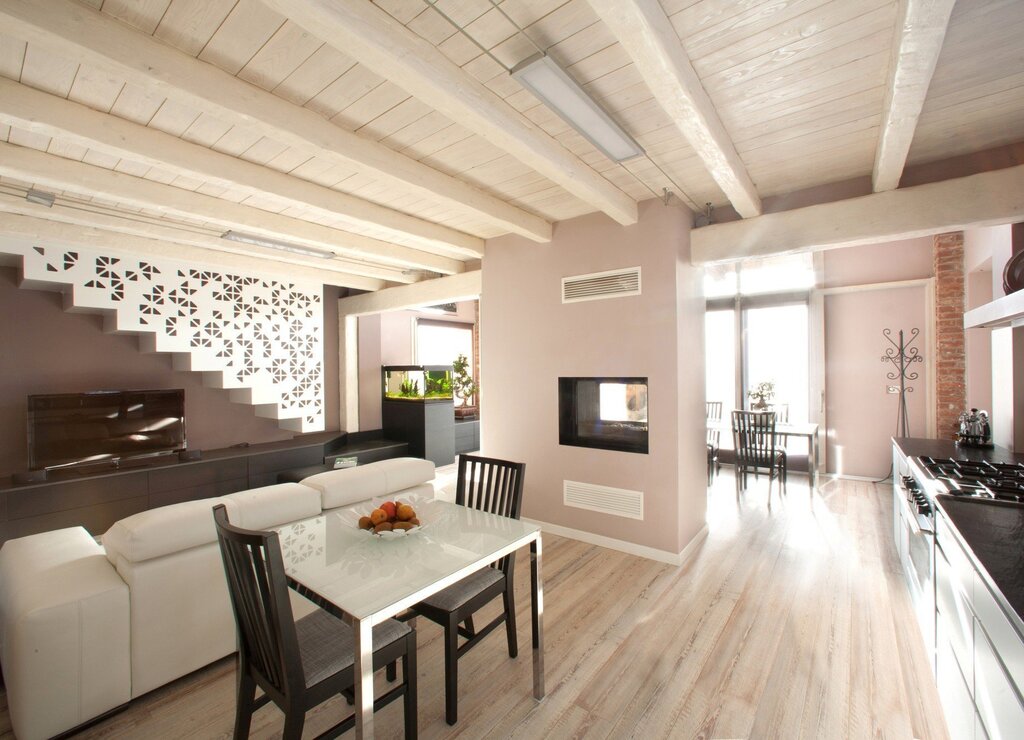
[
  {"x": 615, "y": 501},
  {"x": 599, "y": 285}
]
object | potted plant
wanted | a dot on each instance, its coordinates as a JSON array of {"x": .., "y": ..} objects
[
  {"x": 760, "y": 394},
  {"x": 464, "y": 387}
]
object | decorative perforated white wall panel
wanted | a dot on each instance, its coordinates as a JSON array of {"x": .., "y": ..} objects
[{"x": 255, "y": 335}]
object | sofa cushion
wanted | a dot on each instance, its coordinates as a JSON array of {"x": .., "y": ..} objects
[
  {"x": 406, "y": 472},
  {"x": 156, "y": 532},
  {"x": 352, "y": 485},
  {"x": 272, "y": 506},
  {"x": 64, "y": 615}
]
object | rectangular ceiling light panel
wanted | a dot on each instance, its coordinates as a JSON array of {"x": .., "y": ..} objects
[
  {"x": 266, "y": 242},
  {"x": 558, "y": 91}
]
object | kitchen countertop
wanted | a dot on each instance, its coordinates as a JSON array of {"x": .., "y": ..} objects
[
  {"x": 915, "y": 446},
  {"x": 991, "y": 532}
]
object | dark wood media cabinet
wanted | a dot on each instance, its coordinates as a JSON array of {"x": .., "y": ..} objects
[{"x": 95, "y": 500}]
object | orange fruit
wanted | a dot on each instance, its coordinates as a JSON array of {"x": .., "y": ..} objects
[
  {"x": 377, "y": 516},
  {"x": 406, "y": 512},
  {"x": 389, "y": 508}
]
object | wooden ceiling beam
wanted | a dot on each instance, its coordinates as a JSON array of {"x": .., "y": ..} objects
[
  {"x": 463, "y": 287},
  {"x": 49, "y": 115},
  {"x": 363, "y": 31},
  {"x": 985, "y": 199},
  {"x": 52, "y": 172},
  {"x": 72, "y": 29},
  {"x": 74, "y": 227},
  {"x": 647, "y": 35},
  {"x": 920, "y": 31}
]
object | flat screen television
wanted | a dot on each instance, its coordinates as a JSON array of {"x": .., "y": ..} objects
[{"x": 66, "y": 429}]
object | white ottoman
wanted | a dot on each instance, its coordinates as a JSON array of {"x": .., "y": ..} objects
[{"x": 64, "y": 632}]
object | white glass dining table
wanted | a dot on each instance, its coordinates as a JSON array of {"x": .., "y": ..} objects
[{"x": 365, "y": 579}]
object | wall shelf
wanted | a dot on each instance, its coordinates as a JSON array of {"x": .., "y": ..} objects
[{"x": 1005, "y": 311}]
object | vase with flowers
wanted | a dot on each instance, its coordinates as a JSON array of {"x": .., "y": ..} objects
[{"x": 760, "y": 394}]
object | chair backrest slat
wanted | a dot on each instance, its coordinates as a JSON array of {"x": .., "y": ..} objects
[
  {"x": 754, "y": 437},
  {"x": 713, "y": 412},
  {"x": 491, "y": 485},
  {"x": 254, "y": 567}
]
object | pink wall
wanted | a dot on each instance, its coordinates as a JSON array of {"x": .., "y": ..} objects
[
  {"x": 888, "y": 262},
  {"x": 990, "y": 248},
  {"x": 530, "y": 339},
  {"x": 369, "y": 372},
  {"x": 46, "y": 350},
  {"x": 859, "y": 414},
  {"x": 978, "y": 342}
]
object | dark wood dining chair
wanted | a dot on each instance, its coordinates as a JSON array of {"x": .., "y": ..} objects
[
  {"x": 495, "y": 486},
  {"x": 757, "y": 448},
  {"x": 713, "y": 415},
  {"x": 298, "y": 665}
]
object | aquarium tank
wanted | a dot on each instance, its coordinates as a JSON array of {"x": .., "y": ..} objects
[{"x": 417, "y": 382}]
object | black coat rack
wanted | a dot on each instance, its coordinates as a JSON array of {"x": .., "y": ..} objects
[{"x": 902, "y": 356}]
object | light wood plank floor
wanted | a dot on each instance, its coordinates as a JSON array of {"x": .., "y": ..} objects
[{"x": 786, "y": 623}]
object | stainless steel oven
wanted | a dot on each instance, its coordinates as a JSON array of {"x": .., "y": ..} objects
[{"x": 916, "y": 544}]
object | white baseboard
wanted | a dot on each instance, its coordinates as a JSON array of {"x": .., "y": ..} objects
[
  {"x": 631, "y": 548},
  {"x": 865, "y": 478}
]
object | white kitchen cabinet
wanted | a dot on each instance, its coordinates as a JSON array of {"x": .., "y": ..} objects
[
  {"x": 997, "y": 698},
  {"x": 979, "y": 662},
  {"x": 954, "y": 591},
  {"x": 957, "y": 702}
]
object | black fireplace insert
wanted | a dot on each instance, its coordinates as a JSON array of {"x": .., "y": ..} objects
[{"x": 603, "y": 413}]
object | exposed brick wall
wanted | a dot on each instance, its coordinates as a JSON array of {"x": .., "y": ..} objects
[{"x": 950, "y": 374}]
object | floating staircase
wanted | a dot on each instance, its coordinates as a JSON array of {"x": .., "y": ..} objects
[{"x": 259, "y": 339}]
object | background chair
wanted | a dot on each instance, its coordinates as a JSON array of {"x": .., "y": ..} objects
[
  {"x": 756, "y": 446},
  {"x": 298, "y": 665},
  {"x": 781, "y": 412},
  {"x": 713, "y": 416},
  {"x": 495, "y": 486}
]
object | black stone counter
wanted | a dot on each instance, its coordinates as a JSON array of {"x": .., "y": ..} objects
[
  {"x": 914, "y": 447},
  {"x": 992, "y": 533}
]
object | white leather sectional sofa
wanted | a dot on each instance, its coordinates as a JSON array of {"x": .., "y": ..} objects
[{"x": 86, "y": 627}]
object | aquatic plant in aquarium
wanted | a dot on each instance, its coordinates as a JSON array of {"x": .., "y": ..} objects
[{"x": 417, "y": 382}]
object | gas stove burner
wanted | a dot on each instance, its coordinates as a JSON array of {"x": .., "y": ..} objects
[
  {"x": 951, "y": 468},
  {"x": 978, "y": 479}
]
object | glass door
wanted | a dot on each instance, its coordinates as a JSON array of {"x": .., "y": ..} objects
[
  {"x": 776, "y": 350},
  {"x": 721, "y": 366},
  {"x": 757, "y": 330}
]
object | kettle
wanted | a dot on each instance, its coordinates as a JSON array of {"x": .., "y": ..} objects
[{"x": 975, "y": 430}]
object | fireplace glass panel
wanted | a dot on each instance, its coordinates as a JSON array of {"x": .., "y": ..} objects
[{"x": 603, "y": 413}]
